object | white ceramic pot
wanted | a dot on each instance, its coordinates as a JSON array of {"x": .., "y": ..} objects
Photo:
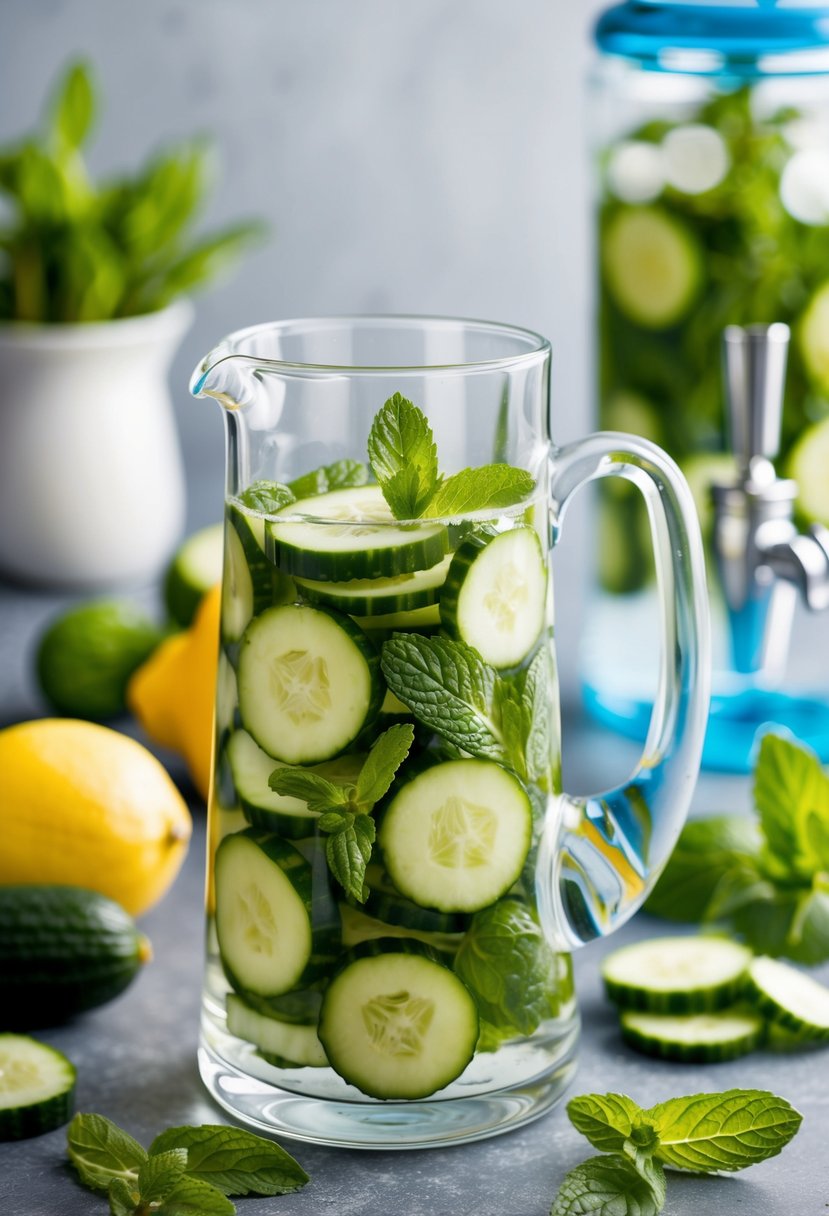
[{"x": 91, "y": 480}]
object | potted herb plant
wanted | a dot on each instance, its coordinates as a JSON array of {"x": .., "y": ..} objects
[{"x": 94, "y": 280}]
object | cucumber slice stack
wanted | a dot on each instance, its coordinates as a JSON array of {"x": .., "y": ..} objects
[{"x": 37, "y": 1087}]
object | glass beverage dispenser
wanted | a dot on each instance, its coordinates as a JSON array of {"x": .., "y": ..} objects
[{"x": 711, "y": 134}]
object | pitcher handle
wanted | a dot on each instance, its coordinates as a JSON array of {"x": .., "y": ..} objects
[{"x": 599, "y": 856}]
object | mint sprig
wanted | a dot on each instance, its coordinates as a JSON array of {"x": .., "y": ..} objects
[
  {"x": 188, "y": 1171},
  {"x": 345, "y": 809},
  {"x": 267, "y": 496},
  {"x": 403, "y": 457},
  {"x": 341, "y": 475},
  {"x": 766, "y": 879},
  {"x": 703, "y": 1133}
]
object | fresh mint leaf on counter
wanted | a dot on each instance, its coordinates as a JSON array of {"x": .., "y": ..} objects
[
  {"x": 489, "y": 486},
  {"x": 192, "y": 1197},
  {"x": 100, "y": 1151},
  {"x": 341, "y": 475},
  {"x": 266, "y": 496},
  {"x": 723, "y": 1131},
  {"x": 602, "y": 1186},
  {"x": 606, "y": 1120},
  {"x": 234, "y": 1161},
  {"x": 160, "y": 1174},
  {"x": 401, "y": 448}
]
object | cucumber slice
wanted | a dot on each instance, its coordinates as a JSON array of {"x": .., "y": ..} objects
[
  {"x": 653, "y": 265},
  {"x": 195, "y": 568},
  {"x": 418, "y": 618},
  {"x": 455, "y": 837},
  {"x": 263, "y": 807},
  {"x": 37, "y": 1087},
  {"x": 789, "y": 998},
  {"x": 309, "y": 680},
  {"x": 385, "y": 903},
  {"x": 350, "y": 534},
  {"x": 358, "y": 927},
  {"x": 292, "y": 1042},
  {"x": 812, "y": 335},
  {"x": 809, "y": 466},
  {"x": 495, "y": 595},
  {"x": 676, "y": 974},
  {"x": 376, "y": 596},
  {"x": 703, "y": 1038},
  {"x": 396, "y": 1022},
  {"x": 237, "y": 588},
  {"x": 263, "y": 912}
]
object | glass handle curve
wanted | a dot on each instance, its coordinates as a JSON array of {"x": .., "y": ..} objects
[{"x": 600, "y": 855}]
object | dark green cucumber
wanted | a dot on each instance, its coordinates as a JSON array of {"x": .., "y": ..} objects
[
  {"x": 495, "y": 595},
  {"x": 396, "y": 1022},
  {"x": 309, "y": 681},
  {"x": 350, "y": 534},
  {"x": 62, "y": 950},
  {"x": 291, "y": 1044},
  {"x": 374, "y": 596},
  {"x": 37, "y": 1087},
  {"x": 195, "y": 567},
  {"x": 695, "y": 1038},
  {"x": 677, "y": 974}
]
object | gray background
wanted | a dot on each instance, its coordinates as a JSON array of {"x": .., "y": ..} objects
[{"x": 423, "y": 156}]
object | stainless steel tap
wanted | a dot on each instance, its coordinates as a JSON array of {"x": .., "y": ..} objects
[{"x": 762, "y": 558}]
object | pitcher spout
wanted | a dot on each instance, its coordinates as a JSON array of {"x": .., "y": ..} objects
[{"x": 226, "y": 376}]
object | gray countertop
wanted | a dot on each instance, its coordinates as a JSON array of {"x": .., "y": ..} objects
[{"x": 136, "y": 1057}]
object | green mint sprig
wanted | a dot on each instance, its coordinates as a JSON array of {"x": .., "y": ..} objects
[
  {"x": 341, "y": 475},
  {"x": 186, "y": 1170},
  {"x": 767, "y": 879},
  {"x": 345, "y": 809},
  {"x": 703, "y": 1133},
  {"x": 403, "y": 457},
  {"x": 267, "y": 496}
]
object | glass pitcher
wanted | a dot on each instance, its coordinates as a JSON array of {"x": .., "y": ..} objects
[{"x": 396, "y": 879}]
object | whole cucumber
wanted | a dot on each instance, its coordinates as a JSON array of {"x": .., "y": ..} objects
[{"x": 62, "y": 950}]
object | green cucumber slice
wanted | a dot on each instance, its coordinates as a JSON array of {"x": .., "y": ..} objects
[
  {"x": 358, "y": 926},
  {"x": 653, "y": 265},
  {"x": 456, "y": 836},
  {"x": 701, "y": 1038},
  {"x": 376, "y": 596},
  {"x": 251, "y": 768},
  {"x": 195, "y": 568},
  {"x": 263, "y": 912},
  {"x": 237, "y": 588},
  {"x": 309, "y": 681},
  {"x": 396, "y": 1022},
  {"x": 417, "y": 618},
  {"x": 676, "y": 974},
  {"x": 495, "y": 595},
  {"x": 37, "y": 1087},
  {"x": 385, "y": 903},
  {"x": 809, "y": 466},
  {"x": 789, "y": 998},
  {"x": 350, "y": 534},
  {"x": 293, "y": 1043}
]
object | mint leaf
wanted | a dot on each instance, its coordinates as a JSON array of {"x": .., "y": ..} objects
[
  {"x": 403, "y": 456},
  {"x": 789, "y": 921},
  {"x": 725, "y": 1131},
  {"x": 539, "y": 702},
  {"x": 236, "y": 1162},
  {"x": 790, "y": 792},
  {"x": 707, "y": 851},
  {"x": 194, "y": 1197},
  {"x": 609, "y": 1186},
  {"x": 266, "y": 496},
  {"x": 123, "y": 1197},
  {"x": 319, "y": 793},
  {"x": 348, "y": 852},
  {"x": 100, "y": 1151},
  {"x": 160, "y": 1173},
  {"x": 505, "y": 962},
  {"x": 448, "y": 687},
  {"x": 387, "y": 754},
  {"x": 340, "y": 475},
  {"x": 513, "y": 722},
  {"x": 490, "y": 485},
  {"x": 334, "y": 821},
  {"x": 607, "y": 1120}
]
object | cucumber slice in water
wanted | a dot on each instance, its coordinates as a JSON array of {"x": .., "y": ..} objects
[
  {"x": 359, "y": 539},
  {"x": 704, "y": 1038},
  {"x": 495, "y": 595},
  {"x": 293, "y": 1043},
  {"x": 237, "y": 588},
  {"x": 809, "y": 466},
  {"x": 676, "y": 974},
  {"x": 789, "y": 998},
  {"x": 396, "y": 1022},
  {"x": 456, "y": 836},
  {"x": 309, "y": 681},
  {"x": 376, "y": 596},
  {"x": 195, "y": 568},
  {"x": 37, "y": 1087},
  {"x": 653, "y": 266}
]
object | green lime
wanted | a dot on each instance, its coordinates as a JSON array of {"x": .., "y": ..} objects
[{"x": 86, "y": 657}]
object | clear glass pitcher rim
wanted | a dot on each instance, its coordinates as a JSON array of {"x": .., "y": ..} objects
[{"x": 530, "y": 346}]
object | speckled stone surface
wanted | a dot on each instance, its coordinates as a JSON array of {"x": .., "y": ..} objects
[{"x": 136, "y": 1059}]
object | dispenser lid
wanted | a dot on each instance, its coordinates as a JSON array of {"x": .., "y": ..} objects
[{"x": 757, "y": 37}]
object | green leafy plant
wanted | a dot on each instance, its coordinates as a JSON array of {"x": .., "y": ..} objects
[
  {"x": 72, "y": 250},
  {"x": 701, "y": 1133},
  {"x": 186, "y": 1170},
  {"x": 766, "y": 880}
]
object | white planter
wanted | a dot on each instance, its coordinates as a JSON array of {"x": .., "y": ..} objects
[{"x": 91, "y": 480}]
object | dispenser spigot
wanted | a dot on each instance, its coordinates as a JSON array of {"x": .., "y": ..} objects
[{"x": 760, "y": 553}]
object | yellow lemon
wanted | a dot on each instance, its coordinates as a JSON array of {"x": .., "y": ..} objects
[{"x": 84, "y": 805}]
